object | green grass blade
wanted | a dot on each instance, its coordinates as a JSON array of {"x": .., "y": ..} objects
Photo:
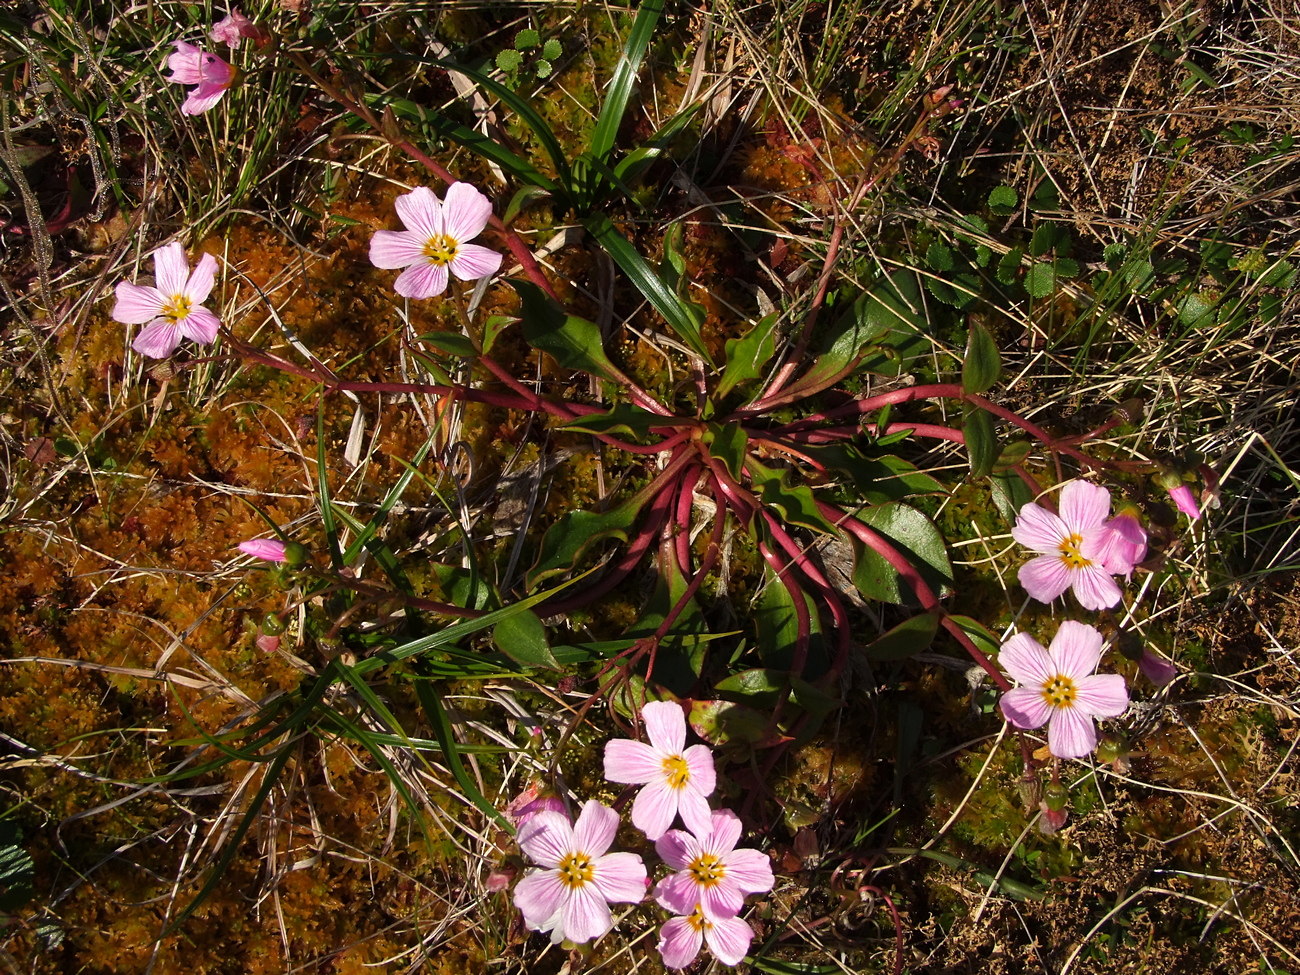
[
  {"x": 323, "y": 490},
  {"x": 620, "y": 89},
  {"x": 440, "y": 723}
]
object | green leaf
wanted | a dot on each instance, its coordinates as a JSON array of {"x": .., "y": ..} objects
[
  {"x": 1196, "y": 311},
  {"x": 620, "y": 87},
  {"x": 795, "y": 503},
  {"x": 568, "y": 539},
  {"x": 982, "y": 448},
  {"x": 979, "y": 634},
  {"x": 551, "y": 49},
  {"x": 1003, "y": 197},
  {"x": 1040, "y": 280},
  {"x": 1044, "y": 239},
  {"x": 508, "y": 60},
  {"x": 543, "y": 68},
  {"x": 877, "y": 478},
  {"x": 622, "y": 418},
  {"x": 727, "y": 442},
  {"x": 683, "y": 317},
  {"x": 1012, "y": 455},
  {"x": 453, "y": 343},
  {"x": 527, "y": 38},
  {"x": 1009, "y": 266},
  {"x": 1066, "y": 267},
  {"x": 522, "y": 638},
  {"x": 907, "y": 639},
  {"x": 916, "y": 538},
  {"x": 17, "y": 870},
  {"x": 573, "y": 342},
  {"x": 722, "y": 723},
  {"x": 747, "y": 355},
  {"x": 760, "y": 687},
  {"x": 982, "y": 365},
  {"x": 520, "y": 200},
  {"x": 939, "y": 256}
]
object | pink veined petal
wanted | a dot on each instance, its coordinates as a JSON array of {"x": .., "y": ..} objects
[
  {"x": 699, "y": 760},
  {"x": 465, "y": 212},
  {"x": 694, "y": 810},
  {"x": 679, "y": 942},
  {"x": 1071, "y": 733},
  {"x": 720, "y": 900},
  {"x": 1094, "y": 588},
  {"x": 158, "y": 339},
  {"x": 723, "y": 833},
  {"x": 200, "y": 325},
  {"x": 136, "y": 303},
  {"x": 422, "y": 281},
  {"x": 654, "y": 809},
  {"x": 1084, "y": 505},
  {"x": 473, "y": 262},
  {"x": 665, "y": 726},
  {"x": 729, "y": 939},
  {"x": 678, "y": 892},
  {"x": 1045, "y": 577},
  {"x": 185, "y": 63},
  {"x": 396, "y": 248},
  {"x": 1109, "y": 548},
  {"x": 539, "y": 896},
  {"x": 1026, "y": 661},
  {"x": 1104, "y": 695},
  {"x": 216, "y": 72},
  {"x": 546, "y": 838},
  {"x": 677, "y": 848},
  {"x": 632, "y": 762},
  {"x": 594, "y": 831},
  {"x": 1076, "y": 649},
  {"x": 750, "y": 870},
  {"x": 1025, "y": 707},
  {"x": 1038, "y": 529},
  {"x": 201, "y": 279},
  {"x": 620, "y": 878},
  {"x": 171, "y": 270},
  {"x": 585, "y": 915},
  {"x": 267, "y": 549},
  {"x": 420, "y": 213},
  {"x": 201, "y": 99}
]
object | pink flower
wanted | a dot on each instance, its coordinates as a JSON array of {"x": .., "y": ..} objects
[
  {"x": 677, "y": 778},
  {"x": 681, "y": 938},
  {"x": 268, "y": 642},
  {"x": 1070, "y": 545},
  {"x": 191, "y": 66},
  {"x": 173, "y": 309},
  {"x": 1122, "y": 544},
  {"x": 234, "y": 28},
  {"x": 435, "y": 241},
  {"x": 1059, "y": 689},
  {"x": 1183, "y": 497},
  {"x": 266, "y": 549},
  {"x": 711, "y": 872},
  {"x": 570, "y": 896}
]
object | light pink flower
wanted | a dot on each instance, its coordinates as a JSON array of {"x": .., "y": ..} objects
[
  {"x": 436, "y": 240},
  {"x": 677, "y": 778},
  {"x": 680, "y": 939},
  {"x": 191, "y": 66},
  {"x": 1059, "y": 689},
  {"x": 173, "y": 309},
  {"x": 711, "y": 872},
  {"x": 570, "y": 897},
  {"x": 1183, "y": 497},
  {"x": 266, "y": 549},
  {"x": 234, "y": 28},
  {"x": 1070, "y": 545},
  {"x": 1122, "y": 544}
]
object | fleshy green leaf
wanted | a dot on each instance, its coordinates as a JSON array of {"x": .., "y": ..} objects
[
  {"x": 1003, "y": 197},
  {"x": 747, "y": 355},
  {"x": 982, "y": 446},
  {"x": 569, "y": 538},
  {"x": 795, "y": 503},
  {"x": 919, "y": 541},
  {"x": 622, "y": 418},
  {"x": 907, "y": 639},
  {"x": 522, "y": 638},
  {"x": 573, "y": 342},
  {"x": 727, "y": 442},
  {"x": 983, "y": 364}
]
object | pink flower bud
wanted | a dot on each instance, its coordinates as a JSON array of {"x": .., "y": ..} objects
[
  {"x": 268, "y": 643},
  {"x": 1185, "y": 500},
  {"x": 1156, "y": 668},
  {"x": 266, "y": 549}
]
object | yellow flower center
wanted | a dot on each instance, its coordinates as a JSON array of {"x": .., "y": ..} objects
[
  {"x": 707, "y": 870},
  {"x": 441, "y": 249},
  {"x": 698, "y": 921},
  {"x": 575, "y": 870},
  {"x": 1069, "y": 549},
  {"x": 1059, "y": 692},
  {"x": 676, "y": 771},
  {"x": 177, "y": 309}
]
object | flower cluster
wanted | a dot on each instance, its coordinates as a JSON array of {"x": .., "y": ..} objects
[{"x": 568, "y": 896}]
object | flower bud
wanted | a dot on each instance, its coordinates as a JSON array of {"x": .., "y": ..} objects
[{"x": 1055, "y": 796}]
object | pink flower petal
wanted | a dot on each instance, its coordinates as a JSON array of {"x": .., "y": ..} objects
[
  {"x": 1026, "y": 661},
  {"x": 1025, "y": 707},
  {"x": 539, "y": 896},
  {"x": 1071, "y": 733},
  {"x": 665, "y": 726},
  {"x": 1044, "y": 577},
  {"x": 677, "y": 892},
  {"x": 654, "y": 809},
  {"x": 729, "y": 939},
  {"x": 396, "y": 248},
  {"x": 1076, "y": 649},
  {"x": 720, "y": 900},
  {"x": 585, "y": 915},
  {"x": 699, "y": 761},
  {"x": 1038, "y": 529},
  {"x": 185, "y": 63},
  {"x": 200, "y": 325},
  {"x": 171, "y": 269},
  {"x": 723, "y": 833},
  {"x": 677, "y": 848},
  {"x": 158, "y": 340},
  {"x": 632, "y": 762},
  {"x": 1083, "y": 505},
  {"x": 694, "y": 810},
  {"x": 750, "y": 870},
  {"x": 1093, "y": 587},
  {"x": 267, "y": 549},
  {"x": 679, "y": 942},
  {"x": 201, "y": 99},
  {"x": 546, "y": 838},
  {"x": 1156, "y": 668},
  {"x": 620, "y": 878},
  {"x": 594, "y": 831},
  {"x": 473, "y": 262},
  {"x": 1183, "y": 497},
  {"x": 465, "y": 212},
  {"x": 201, "y": 279},
  {"x": 422, "y": 281},
  {"x": 136, "y": 304},
  {"x": 420, "y": 213},
  {"x": 1102, "y": 695}
]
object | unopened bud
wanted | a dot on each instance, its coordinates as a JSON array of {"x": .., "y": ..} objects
[{"x": 1055, "y": 796}]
